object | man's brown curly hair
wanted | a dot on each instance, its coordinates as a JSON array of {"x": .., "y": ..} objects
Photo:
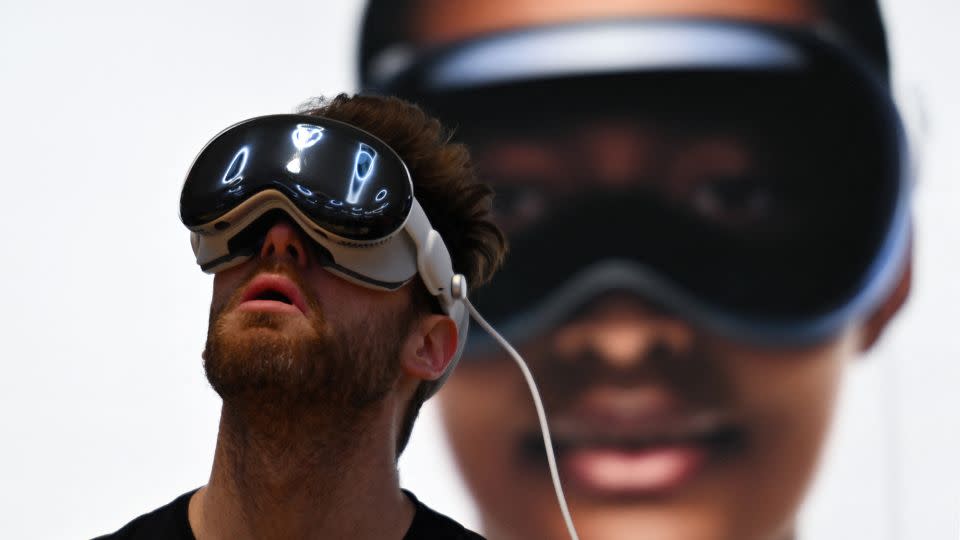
[{"x": 444, "y": 182}]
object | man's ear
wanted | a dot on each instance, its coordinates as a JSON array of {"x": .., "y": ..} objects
[
  {"x": 430, "y": 347},
  {"x": 877, "y": 322}
]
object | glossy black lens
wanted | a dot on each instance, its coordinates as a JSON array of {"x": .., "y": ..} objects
[{"x": 346, "y": 181}]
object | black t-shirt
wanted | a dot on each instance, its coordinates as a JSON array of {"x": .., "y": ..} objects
[{"x": 170, "y": 522}]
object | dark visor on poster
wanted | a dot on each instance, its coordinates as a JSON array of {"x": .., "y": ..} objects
[{"x": 752, "y": 179}]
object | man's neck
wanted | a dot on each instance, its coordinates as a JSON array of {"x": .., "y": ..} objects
[{"x": 289, "y": 472}]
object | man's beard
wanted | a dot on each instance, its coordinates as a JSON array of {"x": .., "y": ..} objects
[{"x": 341, "y": 367}]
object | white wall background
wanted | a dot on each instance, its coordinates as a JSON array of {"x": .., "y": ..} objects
[{"x": 104, "y": 409}]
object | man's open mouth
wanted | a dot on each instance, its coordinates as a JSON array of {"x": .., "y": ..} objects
[
  {"x": 274, "y": 293},
  {"x": 275, "y": 296}
]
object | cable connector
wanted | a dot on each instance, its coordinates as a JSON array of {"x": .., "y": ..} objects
[{"x": 458, "y": 287}]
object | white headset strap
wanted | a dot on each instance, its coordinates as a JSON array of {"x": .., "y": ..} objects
[
  {"x": 433, "y": 258},
  {"x": 436, "y": 271}
]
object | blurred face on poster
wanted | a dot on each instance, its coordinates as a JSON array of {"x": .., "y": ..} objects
[{"x": 695, "y": 258}]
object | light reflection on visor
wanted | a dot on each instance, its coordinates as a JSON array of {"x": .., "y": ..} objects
[{"x": 345, "y": 180}]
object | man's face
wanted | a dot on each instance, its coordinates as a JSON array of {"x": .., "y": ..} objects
[
  {"x": 663, "y": 429},
  {"x": 285, "y": 330}
]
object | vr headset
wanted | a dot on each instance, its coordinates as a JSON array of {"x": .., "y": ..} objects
[
  {"x": 346, "y": 189},
  {"x": 752, "y": 179}
]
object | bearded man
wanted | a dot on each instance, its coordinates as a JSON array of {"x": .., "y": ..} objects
[{"x": 332, "y": 236}]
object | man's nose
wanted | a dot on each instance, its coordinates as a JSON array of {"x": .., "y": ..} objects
[
  {"x": 284, "y": 240},
  {"x": 624, "y": 335}
]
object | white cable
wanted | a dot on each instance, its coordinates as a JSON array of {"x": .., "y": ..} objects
[{"x": 541, "y": 415}]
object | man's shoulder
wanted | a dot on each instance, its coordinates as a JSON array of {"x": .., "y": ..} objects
[
  {"x": 170, "y": 521},
  {"x": 430, "y": 524}
]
